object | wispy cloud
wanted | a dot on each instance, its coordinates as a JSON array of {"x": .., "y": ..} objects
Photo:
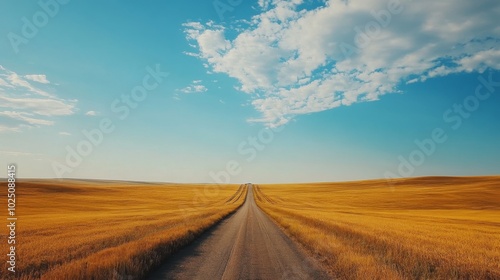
[
  {"x": 194, "y": 87},
  {"x": 38, "y": 78},
  {"x": 91, "y": 113},
  {"x": 26, "y": 105},
  {"x": 4, "y": 128},
  {"x": 17, "y": 154},
  {"x": 292, "y": 67},
  {"x": 19, "y": 82},
  {"x": 40, "y": 106},
  {"x": 63, "y": 133},
  {"x": 25, "y": 117}
]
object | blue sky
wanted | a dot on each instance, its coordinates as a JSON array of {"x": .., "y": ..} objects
[{"x": 259, "y": 91}]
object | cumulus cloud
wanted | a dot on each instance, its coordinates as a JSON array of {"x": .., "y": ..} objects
[
  {"x": 24, "y": 105},
  {"x": 294, "y": 60}
]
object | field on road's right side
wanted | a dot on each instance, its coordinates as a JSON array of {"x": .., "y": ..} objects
[
  {"x": 417, "y": 228},
  {"x": 72, "y": 229}
]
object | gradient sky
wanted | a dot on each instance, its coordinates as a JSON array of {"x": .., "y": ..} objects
[{"x": 262, "y": 91}]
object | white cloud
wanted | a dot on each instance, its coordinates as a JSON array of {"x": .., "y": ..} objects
[
  {"x": 4, "y": 83},
  {"x": 191, "y": 54},
  {"x": 194, "y": 25},
  {"x": 4, "y": 128},
  {"x": 38, "y": 78},
  {"x": 25, "y": 117},
  {"x": 481, "y": 60},
  {"x": 264, "y": 3},
  {"x": 40, "y": 106},
  {"x": 25, "y": 105},
  {"x": 195, "y": 87},
  {"x": 17, "y": 153},
  {"x": 63, "y": 133},
  {"x": 20, "y": 82},
  {"x": 295, "y": 61},
  {"x": 91, "y": 113}
]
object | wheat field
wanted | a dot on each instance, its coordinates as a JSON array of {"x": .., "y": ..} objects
[
  {"x": 417, "y": 228},
  {"x": 109, "y": 230}
]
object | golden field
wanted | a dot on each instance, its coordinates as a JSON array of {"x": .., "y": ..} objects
[
  {"x": 108, "y": 230},
  {"x": 417, "y": 228}
]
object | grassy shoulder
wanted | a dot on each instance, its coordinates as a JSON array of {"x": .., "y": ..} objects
[
  {"x": 110, "y": 230},
  {"x": 420, "y": 228}
]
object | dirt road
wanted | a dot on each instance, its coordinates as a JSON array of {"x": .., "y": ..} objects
[{"x": 247, "y": 245}]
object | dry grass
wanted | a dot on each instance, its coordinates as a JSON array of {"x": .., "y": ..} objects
[
  {"x": 421, "y": 228},
  {"x": 96, "y": 230}
]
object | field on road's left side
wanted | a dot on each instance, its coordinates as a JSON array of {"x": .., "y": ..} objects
[{"x": 108, "y": 230}]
